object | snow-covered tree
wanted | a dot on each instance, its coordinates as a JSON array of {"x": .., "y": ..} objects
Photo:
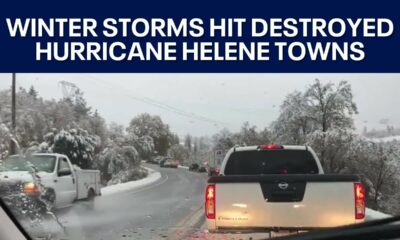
[
  {"x": 125, "y": 157},
  {"x": 201, "y": 149},
  {"x": 32, "y": 92},
  {"x": 335, "y": 144},
  {"x": 294, "y": 122},
  {"x": 249, "y": 135},
  {"x": 223, "y": 140},
  {"x": 5, "y": 137},
  {"x": 77, "y": 144},
  {"x": 103, "y": 160},
  {"x": 144, "y": 145},
  {"x": 36, "y": 147},
  {"x": 321, "y": 107},
  {"x": 80, "y": 105},
  {"x": 120, "y": 159},
  {"x": 179, "y": 152},
  {"x": 69, "y": 126},
  {"x": 116, "y": 132},
  {"x": 97, "y": 126},
  {"x": 331, "y": 106},
  {"x": 322, "y": 117},
  {"x": 153, "y": 126},
  {"x": 188, "y": 142},
  {"x": 389, "y": 131},
  {"x": 119, "y": 164},
  {"x": 378, "y": 163},
  {"x": 265, "y": 136}
]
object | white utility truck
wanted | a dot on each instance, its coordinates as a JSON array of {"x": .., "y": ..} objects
[
  {"x": 52, "y": 177},
  {"x": 271, "y": 187}
]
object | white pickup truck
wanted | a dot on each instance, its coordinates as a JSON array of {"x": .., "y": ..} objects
[
  {"x": 272, "y": 187},
  {"x": 57, "y": 180}
]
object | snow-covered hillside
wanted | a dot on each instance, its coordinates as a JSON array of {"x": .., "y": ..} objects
[{"x": 385, "y": 139}]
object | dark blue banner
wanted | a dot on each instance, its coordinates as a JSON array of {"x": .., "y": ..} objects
[{"x": 202, "y": 36}]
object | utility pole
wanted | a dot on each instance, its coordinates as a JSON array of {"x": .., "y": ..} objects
[
  {"x": 13, "y": 121},
  {"x": 68, "y": 89}
]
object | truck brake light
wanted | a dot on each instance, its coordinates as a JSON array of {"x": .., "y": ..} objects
[
  {"x": 270, "y": 147},
  {"x": 210, "y": 202},
  {"x": 359, "y": 194}
]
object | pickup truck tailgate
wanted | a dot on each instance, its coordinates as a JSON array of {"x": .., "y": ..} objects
[{"x": 290, "y": 203}]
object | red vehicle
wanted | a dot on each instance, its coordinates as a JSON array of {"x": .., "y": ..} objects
[
  {"x": 213, "y": 171},
  {"x": 171, "y": 163}
]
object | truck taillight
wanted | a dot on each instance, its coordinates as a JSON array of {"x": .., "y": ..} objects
[
  {"x": 359, "y": 195},
  {"x": 210, "y": 202},
  {"x": 270, "y": 147}
]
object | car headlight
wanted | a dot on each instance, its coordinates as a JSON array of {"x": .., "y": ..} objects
[{"x": 31, "y": 188}]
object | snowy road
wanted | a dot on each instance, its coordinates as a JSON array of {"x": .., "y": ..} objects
[{"x": 156, "y": 211}]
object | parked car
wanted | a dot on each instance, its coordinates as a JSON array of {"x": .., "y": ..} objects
[
  {"x": 155, "y": 160},
  {"x": 202, "y": 169},
  {"x": 194, "y": 167},
  {"x": 280, "y": 187},
  {"x": 213, "y": 171},
  {"x": 169, "y": 163},
  {"x": 60, "y": 183},
  {"x": 161, "y": 163}
]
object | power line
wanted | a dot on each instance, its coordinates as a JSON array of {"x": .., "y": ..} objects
[
  {"x": 68, "y": 89},
  {"x": 160, "y": 105}
]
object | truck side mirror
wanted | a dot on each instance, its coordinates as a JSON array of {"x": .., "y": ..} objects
[{"x": 64, "y": 172}]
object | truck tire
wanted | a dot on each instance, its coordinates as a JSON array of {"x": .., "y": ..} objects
[
  {"x": 91, "y": 195},
  {"x": 49, "y": 198}
]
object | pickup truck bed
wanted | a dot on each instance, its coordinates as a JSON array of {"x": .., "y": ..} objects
[
  {"x": 282, "y": 188},
  {"x": 86, "y": 180},
  {"x": 256, "y": 203}
]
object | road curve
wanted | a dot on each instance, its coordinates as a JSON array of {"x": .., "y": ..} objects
[{"x": 154, "y": 211}]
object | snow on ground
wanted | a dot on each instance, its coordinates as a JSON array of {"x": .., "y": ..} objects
[
  {"x": 151, "y": 177},
  {"x": 183, "y": 167},
  {"x": 373, "y": 215},
  {"x": 385, "y": 139}
]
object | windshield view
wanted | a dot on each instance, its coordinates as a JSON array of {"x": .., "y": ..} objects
[{"x": 198, "y": 156}]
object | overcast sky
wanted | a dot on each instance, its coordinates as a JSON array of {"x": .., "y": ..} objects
[{"x": 202, "y": 104}]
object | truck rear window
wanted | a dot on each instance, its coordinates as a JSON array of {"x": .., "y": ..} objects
[{"x": 271, "y": 162}]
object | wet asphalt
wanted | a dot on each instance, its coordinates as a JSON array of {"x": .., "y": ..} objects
[{"x": 156, "y": 211}]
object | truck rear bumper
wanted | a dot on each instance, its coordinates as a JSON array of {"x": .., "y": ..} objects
[
  {"x": 262, "y": 229},
  {"x": 212, "y": 228}
]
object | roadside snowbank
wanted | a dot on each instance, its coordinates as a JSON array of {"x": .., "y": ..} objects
[
  {"x": 183, "y": 167},
  {"x": 151, "y": 177},
  {"x": 372, "y": 214}
]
